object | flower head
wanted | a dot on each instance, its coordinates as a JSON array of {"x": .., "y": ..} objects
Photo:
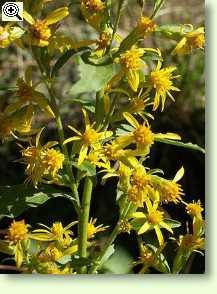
[
  {"x": 62, "y": 235},
  {"x": 89, "y": 139},
  {"x": 145, "y": 25},
  {"x": 125, "y": 226},
  {"x": 53, "y": 161},
  {"x": 191, "y": 40},
  {"x": 41, "y": 161},
  {"x": 92, "y": 229},
  {"x": 131, "y": 64},
  {"x": 154, "y": 218},
  {"x": 17, "y": 231},
  {"x": 28, "y": 96},
  {"x": 94, "y": 5},
  {"x": 160, "y": 80},
  {"x": 40, "y": 30},
  {"x": 169, "y": 190},
  {"x": 141, "y": 135},
  {"x": 194, "y": 209}
]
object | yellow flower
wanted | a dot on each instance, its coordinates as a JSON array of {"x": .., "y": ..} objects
[
  {"x": 53, "y": 161},
  {"x": 169, "y": 190},
  {"x": 55, "y": 233},
  {"x": 94, "y": 5},
  {"x": 20, "y": 121},
  {"x": 16, "y": 237},
  {"x": 8, "y": 34},
  {"x": 154, "y": 219},
  {"x": 42, "y": 161},
  {"x": 17, "y": 231},
  {"x": 194, "y": 209},
  {"x": 89, "y": 139},
  {"x": 160, "y": 80},
  {"x": 93, "y": 12},
  {"x": 191, "y": 40},
  {"x": 142, "y": 135},
  {"x": 40, "y": 30},
  {"x": 132, "y": 63},
  {"x": 140, "y": 178},
  {"x": 103, "y": 42},
  {"x": 145, "y": 25},
  {"x": 137, "y": 195},
  {"x": 51, "y": 253},
  {"x": 28, "y": 95},
  {"x": 92, "y": 229}
]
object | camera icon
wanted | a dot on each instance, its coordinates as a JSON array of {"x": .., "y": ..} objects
[{"x": 12, "y": 11}]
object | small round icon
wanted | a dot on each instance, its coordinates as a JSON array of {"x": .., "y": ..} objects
[{"x": 11, "y": 9}]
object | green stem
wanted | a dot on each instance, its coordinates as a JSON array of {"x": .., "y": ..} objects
[
  {"x": 117, "y": 20},
  {"x": 60, "y": 131},
  {"x": 84, "y": 218}
]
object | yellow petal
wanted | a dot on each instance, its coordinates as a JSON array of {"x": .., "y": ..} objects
[
  {"x": 131, "y": 120},
  {"x": 138, "y": 215},
  {"x": 171, "y": 136},
  {"x": 56, "y": 15},
  {"x": 28, "y": 17},
  {"x": 179, "y": 174},
  {"x": 159, "y": 235},
  {"x": 75, "y": 138},
  {"x": 144, "y": 228},
  {"x": 133, "y": 79},
  {"x": 18, "y": 254},
  {"x": 82, "y": 154},
  {"x": 74, "y": 130}
]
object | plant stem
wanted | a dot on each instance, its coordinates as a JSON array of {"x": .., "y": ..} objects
[
  {"x": 84, "y": 217},
  {"x": 117, "y": 19},
  {"x": 60, "y": 131}
]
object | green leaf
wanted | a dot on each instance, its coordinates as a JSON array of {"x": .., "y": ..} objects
[
  {"x": 181, "y": 144},
  {"x": 92, "y": 78},
  {"x": 65, "y": 259},
  {"x": 119, "y": 263},
  {"x": 157, "y": 6},
  {"x": 181, "y": 260},
  {"x": 172, "y": 223},
  {"x": 109, "y": 252},
  {"x": 14, "y": 200},
  {"x": 64, "y": 58},
  {"x": 87, "y": 168}
]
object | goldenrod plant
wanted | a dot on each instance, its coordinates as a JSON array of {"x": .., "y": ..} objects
[{"x": 129, "y": 84}]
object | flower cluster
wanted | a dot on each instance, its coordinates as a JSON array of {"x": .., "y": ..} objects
[{"x": 114, "y": 139}]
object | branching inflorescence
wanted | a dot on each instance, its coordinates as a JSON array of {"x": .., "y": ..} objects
[{"x": 115, "y": 139}]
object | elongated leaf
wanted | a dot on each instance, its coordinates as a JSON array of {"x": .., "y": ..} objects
[
  {"x": 181, "y": 144},
  {"x": 14, "y": 200}
]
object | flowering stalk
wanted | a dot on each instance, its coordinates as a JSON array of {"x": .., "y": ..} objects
[{"x": 83, "y": 221}]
